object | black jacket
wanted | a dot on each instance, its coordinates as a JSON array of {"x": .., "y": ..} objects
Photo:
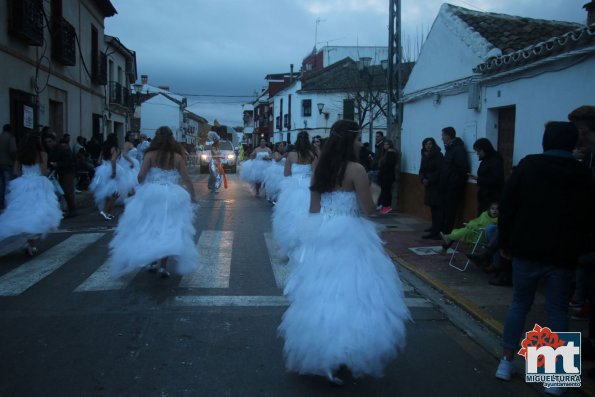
[
  {"x": 546, "y": 210},
  {"x": 430, "y": 169},
  {"x": 490, "y": 181},
  {"x": 386, "y": 168},
  {"x": 455, "y": 167}
]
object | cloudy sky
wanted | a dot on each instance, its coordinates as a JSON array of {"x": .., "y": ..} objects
[{"x": 217, "y": 52}]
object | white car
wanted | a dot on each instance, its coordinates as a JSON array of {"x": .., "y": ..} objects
[{"x": 228, "y": 161}]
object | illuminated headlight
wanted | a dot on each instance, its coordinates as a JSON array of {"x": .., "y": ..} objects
[
  {"x": 231, "y": 156},
  {"x": 204, "y": 157}
]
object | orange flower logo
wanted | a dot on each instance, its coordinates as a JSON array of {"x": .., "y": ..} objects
[{"x": 539, "y": 337}]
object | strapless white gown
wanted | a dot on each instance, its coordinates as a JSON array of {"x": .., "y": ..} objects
[
  {"x": 253, "y": 171},
  {"x": 158, "y": 221},
  {"x": 346, "y": 299}
]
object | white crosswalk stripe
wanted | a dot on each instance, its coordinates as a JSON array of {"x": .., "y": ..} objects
[
  {"x": 23, "y": 277},
  {"x": 215, "y": 247}
]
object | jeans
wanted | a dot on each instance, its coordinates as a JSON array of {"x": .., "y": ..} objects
[
  {"x": 525, "y": 278},
  {"x": 6, "y": 175}
]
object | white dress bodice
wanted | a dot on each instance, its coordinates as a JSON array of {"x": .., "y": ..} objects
[
  {"x": 163, "y": 177},
  {"x": 262, "y": 155},
  {"x": 301, "y": 169},
  {"x": 31, "y": 170},
  {"x": 339, "y": 203}
]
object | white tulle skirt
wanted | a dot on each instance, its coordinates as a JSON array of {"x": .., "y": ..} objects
[
  {"x": 272, "y": 179},
  {"x": 127, "y": 178},
  {"x": 32, "y": 208},
  {"x": 103, "y": 186},
  {"x": 346, "y": 300},
  {"x": 293, "y": 204},
  {"x": 253, "y": 171},
  {"x": 158, "y": 222}
]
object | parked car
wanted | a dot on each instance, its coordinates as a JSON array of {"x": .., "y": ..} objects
[{"x": 229, "y": 160}]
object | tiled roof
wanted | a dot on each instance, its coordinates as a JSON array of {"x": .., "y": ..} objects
[{"x": 511, "y": 33}]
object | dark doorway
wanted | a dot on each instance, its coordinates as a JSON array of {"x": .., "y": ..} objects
[
  {"x": 22, "y": 104},
  {"x": 506, "y": 121}
]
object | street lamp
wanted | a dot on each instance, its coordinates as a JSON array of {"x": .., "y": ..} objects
[{"x": 320, "y": 107}]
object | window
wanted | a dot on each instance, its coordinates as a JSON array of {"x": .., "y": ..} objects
[
  {"x": 306, "y": 107},
  {"x": 286, "y": 121},
  {"x": 278, "y": 122}
]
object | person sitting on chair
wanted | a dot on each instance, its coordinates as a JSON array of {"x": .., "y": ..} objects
[{"x": 469, "y": 233}]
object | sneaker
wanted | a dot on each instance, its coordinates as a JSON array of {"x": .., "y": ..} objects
[
  {"x": 379, "y": 208},
  {"x": 505, "y": 370},
  {"x": 385, "y": 210},
  {"x": 554, "y": 391}
]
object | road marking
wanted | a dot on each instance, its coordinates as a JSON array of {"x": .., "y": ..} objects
[
  {"x": 103, "y": 280},
  {"x": 259, "y": 301},
  {"x": 215, "y": 248},
  {"x": 31, "y": 272},
  {"x": 278, "y": 262}
]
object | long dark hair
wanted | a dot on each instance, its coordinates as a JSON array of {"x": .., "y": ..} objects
[
  {"x": 30, "y": 149},
  {"x": 336, "y": 153},
  {"x": 485, "y": 145},
  {"x": 166, "y": 147},
  {"x": 110, "y": 142},
  {"x": 303, "y": 147}
]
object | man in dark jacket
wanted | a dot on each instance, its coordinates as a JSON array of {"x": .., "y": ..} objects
[
  {"x": 544, "y": 218},
  {"x": 453, "y": 178}
]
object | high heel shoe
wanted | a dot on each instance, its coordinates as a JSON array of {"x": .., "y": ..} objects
[
  {"x": 106, "y": 216},
  {"x": 334, "y": 379},
  {"x": 163, "y": 273}
]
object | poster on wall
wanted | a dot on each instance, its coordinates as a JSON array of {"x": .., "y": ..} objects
[{"x": 27, "y": 117}]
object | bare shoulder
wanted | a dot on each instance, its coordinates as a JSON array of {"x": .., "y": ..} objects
[{"x": 354, "y": 169}]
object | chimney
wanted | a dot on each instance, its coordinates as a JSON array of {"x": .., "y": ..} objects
[
  {"x": 144, "y": 79},
  {"x": 163, "y": 87},
  {"x": 590, "y": 7},
  {"x": 291, "y": 73}
]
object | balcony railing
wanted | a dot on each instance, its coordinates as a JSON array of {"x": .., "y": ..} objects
[
  {"x": 26, "y": 20},
  {"x": 63, "y": 42}
]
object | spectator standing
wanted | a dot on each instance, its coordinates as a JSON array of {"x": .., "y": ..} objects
[
  {"x": 94, "y": 149},
  {"x": 386, "y": 176},
  {"x": 8, "y": 153},
  {"x": 429, "y": 176},
  {"x": 545, "y": 212},
  {"x": 453, "y": 177},
  {"x": 365, "y": 156},
  {"x": 490, "y": 174},
  {"x": 62, "y": 161}
]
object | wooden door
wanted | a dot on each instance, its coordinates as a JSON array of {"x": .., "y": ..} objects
[{"x": 506, "y": 121}]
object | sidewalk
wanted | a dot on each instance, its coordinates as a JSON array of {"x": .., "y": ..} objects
[{"x": 469, "y": 289}]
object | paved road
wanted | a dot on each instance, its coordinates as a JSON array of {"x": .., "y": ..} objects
[{"x": 68, "y": 329}]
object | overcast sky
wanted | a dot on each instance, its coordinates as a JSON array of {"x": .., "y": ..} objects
[{"x": 223, "y": 49}]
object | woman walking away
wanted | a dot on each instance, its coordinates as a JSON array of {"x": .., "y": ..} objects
[
  {"x": 429, "y": 176},
  {"x": 386, "y": 176},
  {"x": 32, "y": 207},
  {"x": 347, "y": 306},
  {"x": 490, "y": 174},
  {"x": 104, "y": 185},
  {"x": 158, "y": 221},
  {"x": 294, "y": 200}
]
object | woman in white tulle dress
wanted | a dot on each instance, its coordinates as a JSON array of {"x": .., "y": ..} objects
[
  {"x": 128, "y": 180},
  {"x": 252, "y": 171},
  {"x": 294, "y": 198},
  {"x": 347, "y": 305},
  {"x": 274, "y": 173},
  {"x": 158, "y": 221},
  {"x": 32, "y": 207},
  {"x": 109, "y": 181}
]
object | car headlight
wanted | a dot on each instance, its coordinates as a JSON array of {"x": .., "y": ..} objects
[
  {"x": 231, "y": 156},
  {"x": 204, "y": 157}
]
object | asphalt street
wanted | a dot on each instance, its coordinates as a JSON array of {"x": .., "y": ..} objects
[{"x": 69, "y": 329}]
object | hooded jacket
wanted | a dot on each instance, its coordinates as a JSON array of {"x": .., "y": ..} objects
[{"x": 546, "y": 209}]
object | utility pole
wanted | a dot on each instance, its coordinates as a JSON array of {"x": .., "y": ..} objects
[
  {"x": 393, "y": 122},
  {"x": 394, "y": 111}
]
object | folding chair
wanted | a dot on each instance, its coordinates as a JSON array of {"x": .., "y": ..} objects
[{"x": 453, "y": 262}]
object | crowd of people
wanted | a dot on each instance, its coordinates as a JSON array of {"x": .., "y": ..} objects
[{"x": 540, "y": 219}]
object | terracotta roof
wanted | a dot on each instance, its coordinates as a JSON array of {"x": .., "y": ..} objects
[{"x": 512, "y": 33}]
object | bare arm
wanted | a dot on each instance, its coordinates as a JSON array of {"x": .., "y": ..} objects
[
  {"x": 127, "y": 147},
  {"x": 16, "y": 168},
  {"x": 142, "y": 174},
  {"x": 314, "y": 196},
  {"x": 362, "y": 188},
  {"x": 113, "y": 161},
  {"x": 44, "y": 163},
  {"x": 290, "y": 160},
  {"x": 183, "y": 170}
]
